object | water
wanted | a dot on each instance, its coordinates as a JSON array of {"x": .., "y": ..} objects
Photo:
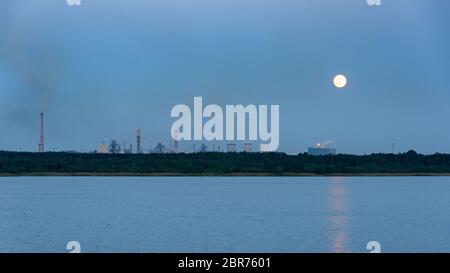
[{"x": 225, "y": 214}]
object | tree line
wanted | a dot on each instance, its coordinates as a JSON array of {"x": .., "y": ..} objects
[{"x": 213, "y": 163}]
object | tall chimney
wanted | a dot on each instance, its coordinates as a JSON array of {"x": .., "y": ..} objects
[
  {"x": 138, "y": 141},
  {"x": 175, "y": 142},
  {"x": 41, "y": 138}
]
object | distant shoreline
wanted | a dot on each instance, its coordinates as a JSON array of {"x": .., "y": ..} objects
[{"x": 49, "y": 174}]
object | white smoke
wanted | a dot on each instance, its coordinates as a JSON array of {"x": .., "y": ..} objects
[{"x": 325, "y": 144}]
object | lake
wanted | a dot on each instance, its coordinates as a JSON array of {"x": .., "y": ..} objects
[{"x": 225, "y": 214}]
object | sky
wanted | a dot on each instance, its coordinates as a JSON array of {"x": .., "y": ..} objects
[{"x": 107, "y": 67}]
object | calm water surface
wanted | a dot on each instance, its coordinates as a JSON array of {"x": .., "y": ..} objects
[{"x": 225, "y": 214}]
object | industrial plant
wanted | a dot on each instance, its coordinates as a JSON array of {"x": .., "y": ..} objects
[
  {"x": 321, "y": 149},
  {"x": 112, "y": 146}
]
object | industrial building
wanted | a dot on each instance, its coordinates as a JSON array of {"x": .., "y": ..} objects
[
  {"x": 318, "y": 150},
  {"x": 203, "y": 148},
  {"x": 231, "y": 148},
  {"x": 114, "y": 148},
  {"x": 248, "y": 148},
  {"x": 103, "y": 148}
]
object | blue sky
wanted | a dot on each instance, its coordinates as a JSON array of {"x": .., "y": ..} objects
[{"x": 101, "y": 70}]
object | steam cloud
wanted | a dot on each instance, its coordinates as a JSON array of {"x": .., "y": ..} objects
[{"x": 326, "y": 143}]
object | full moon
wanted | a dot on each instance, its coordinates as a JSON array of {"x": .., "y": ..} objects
[{"x": 340, "y": 81}]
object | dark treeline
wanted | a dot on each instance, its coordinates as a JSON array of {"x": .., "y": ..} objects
[{"x": 222, "y": 163}]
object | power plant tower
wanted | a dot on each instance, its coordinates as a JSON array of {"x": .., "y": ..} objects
[
  {"x": 138, "y": 141},
  {"x": 41, "y": 138},
  {"x": 175, "y": 142}
]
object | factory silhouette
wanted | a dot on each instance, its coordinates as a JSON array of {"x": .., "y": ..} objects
[{"x": 112, "y": 146}]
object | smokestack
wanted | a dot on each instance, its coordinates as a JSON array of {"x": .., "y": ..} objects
[
  {"x": 175, "y": 142},
  {"x": 138, "y": 141},
  {"x": 41, "y": 139}
]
